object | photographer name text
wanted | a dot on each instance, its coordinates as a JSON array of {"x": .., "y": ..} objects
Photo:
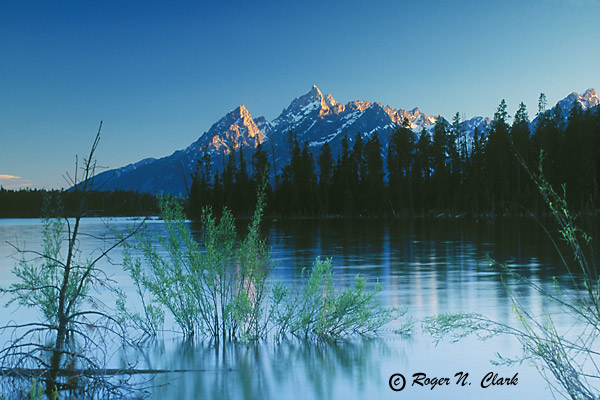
[{"x": 420, "y": 380}]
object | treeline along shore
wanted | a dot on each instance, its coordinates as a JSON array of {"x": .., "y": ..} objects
[
  {"x": 417, "y": 174},
  {"x": 33, "y": 203}
]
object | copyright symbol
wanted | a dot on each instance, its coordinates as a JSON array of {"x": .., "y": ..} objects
[{"x": 397, "y": 382}]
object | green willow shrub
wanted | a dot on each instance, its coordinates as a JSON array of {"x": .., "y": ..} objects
[
  {"x": 163, "y": 282},
  {"x": 317, "y": 310},
  {"x": 219, "y": 287},
  {"x": 151, "y": 320}
]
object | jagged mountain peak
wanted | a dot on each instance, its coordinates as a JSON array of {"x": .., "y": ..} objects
[
  {"x": 236, "y": 128},
  {"x": 360, "y": 105},
  {"x": 313, "y": 95},
  {"x": 306, "y": 106},
  {"x": 313, "y": 117},
  {"x": 316, "y": 91},
  {"x": 590, "y": 92},
  {"x": 588, "y": 100},
  {"x": 591, "y": 97},
  {"x": 330, "y": 101},
  {"x": 242, "y": 110}
]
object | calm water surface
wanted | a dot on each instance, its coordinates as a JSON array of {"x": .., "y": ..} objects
[{"x": 428, "y": 267}]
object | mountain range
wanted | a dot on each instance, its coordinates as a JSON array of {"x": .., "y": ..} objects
[{"x": 312, "y": 118}]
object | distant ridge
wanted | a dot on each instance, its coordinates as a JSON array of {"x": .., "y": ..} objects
[{"x": 312, "y": 118}]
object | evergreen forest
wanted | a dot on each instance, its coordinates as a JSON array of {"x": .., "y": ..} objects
[
  {"x": 35, "y": 203},
  {"x": 420, "y": 174}
]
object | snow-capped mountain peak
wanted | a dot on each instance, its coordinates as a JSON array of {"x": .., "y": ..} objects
[
  {"x": 236, "y": 128},
  {"x": 243, "y": 111},
  {"x": 312, "y": 118},
  {"x": 588, "y": 100},
  {"x": 310, "y": 105},
  {"x": 330, "y": 101}
]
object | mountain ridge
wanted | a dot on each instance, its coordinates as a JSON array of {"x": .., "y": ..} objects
[{"x": 311, "y": 118}]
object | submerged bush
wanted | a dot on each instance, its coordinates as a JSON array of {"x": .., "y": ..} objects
[
  {"x": 220, "y": 288},
  {"x": 317, "y": 310},
  {"x": 215, "y": 288}
]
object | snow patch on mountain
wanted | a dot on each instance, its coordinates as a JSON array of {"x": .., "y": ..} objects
[
  {"x": 588, "y": 100},
  {"x": 313, "y": 118}
]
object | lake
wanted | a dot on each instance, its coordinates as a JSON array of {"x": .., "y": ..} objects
[{"x": 428, "y": 266}]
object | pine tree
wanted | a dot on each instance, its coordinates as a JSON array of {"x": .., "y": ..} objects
[
  {"x": 439, "y": 157},
  {"x": 548, "y": 138},
  {"x": 243, "y": 191},
  {"x": 260, "y": 172},
  {"x": 521, "y": 145},
  {"x": 307, "y": 181},
  {"x": 477, "y": 185},
  {"x": 542, "y": 104},
  {"x": 422, "y": 170},
  {"x": 325, "y": 164},
  {"x": 200, "y": 189},
  {"x": 343, "y": 181},
  {"x": 499, "y": 160},
  {"x": 574, "y": 161},
  {"x": 358, "y": 174},
  {"x": 400, "y": 161},
  {"x": 373, "y": 183},
  {"x": 228, "y": 180},
  {"x": 260, "y": 165}
]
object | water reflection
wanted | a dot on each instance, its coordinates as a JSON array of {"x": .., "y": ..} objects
[
  {"x": 427, "y": 266},
  {"x": 315, "y": 369}
]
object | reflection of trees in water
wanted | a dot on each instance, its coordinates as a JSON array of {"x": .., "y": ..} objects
[
  {"x": 209, "y": 371},
  {"x": 378, "y": 248},
  {"x": 308, "y": 369},
  {"x": 323, "y": 367},
  {"x": 442, "y": 261}
]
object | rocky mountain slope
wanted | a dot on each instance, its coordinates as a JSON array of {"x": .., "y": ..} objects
[{"x": 312, "y": 118}]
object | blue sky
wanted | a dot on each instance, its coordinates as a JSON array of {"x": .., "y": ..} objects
[{"x": 159, "y": 73}]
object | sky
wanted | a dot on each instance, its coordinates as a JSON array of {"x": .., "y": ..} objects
[{"x": 160, "y": 73}]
